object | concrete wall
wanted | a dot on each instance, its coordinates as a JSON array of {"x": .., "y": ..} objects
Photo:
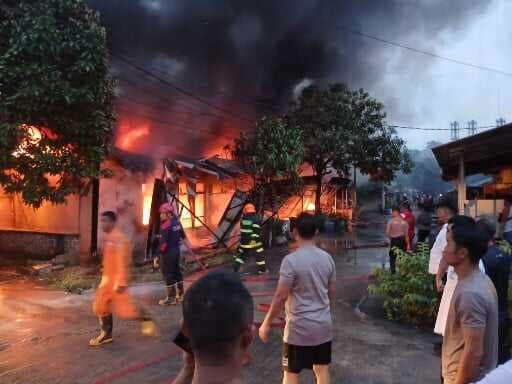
[
  {"x": 28, "y": 233},
  {"x": 31, "y": 245}
]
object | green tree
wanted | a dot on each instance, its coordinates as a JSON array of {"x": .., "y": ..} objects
[
  {"x": 323, "y": 118},
  {"x": 343, "y": 130},
  {"x": 273, "y": 152},
  {"x": 56, "y": 98}
]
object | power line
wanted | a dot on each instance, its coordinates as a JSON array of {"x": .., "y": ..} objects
[
  {"x": 435, "y": 129},
  {"x": 426, "y": 53},
  {"x": 178, "y": 89},
  {"x": 181, "y": 102},
  {"x": 242, "y": 99},
  {"x": 160, "y": 96},
  {"x": 170, "y": 110}
]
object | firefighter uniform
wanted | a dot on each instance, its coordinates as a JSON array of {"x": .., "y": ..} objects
[
  {"x": 112, "y": 296},
  {"x": 171, "y": 235},
  {"x": 250, "y": 243}
]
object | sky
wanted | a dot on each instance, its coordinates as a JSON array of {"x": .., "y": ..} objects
[
  {"x": 242, "y": 56},
  {"x": 446, "y": 91}
]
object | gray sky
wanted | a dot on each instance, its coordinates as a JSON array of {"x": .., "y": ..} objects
[
  {"x": 439, "y": 91},
  {"x": 243, "y": 56}
]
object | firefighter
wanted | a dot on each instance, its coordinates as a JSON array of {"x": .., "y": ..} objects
[
  {"x": 171, "y": 235},
  {"x": 112, "y": 294},
  {"x": 250, "y": 240}
]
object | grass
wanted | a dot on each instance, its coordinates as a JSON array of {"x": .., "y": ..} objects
[
  {"x": 77, "y": 280},
  {"x": 72, "y": 280}
]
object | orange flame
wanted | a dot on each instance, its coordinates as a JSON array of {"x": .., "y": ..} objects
[
  {"x": 147, "y": 197},
  {"x": 128, "y": 137},
  {"x": 34, "y": 136},
  {"x": 310, "y": 207}
]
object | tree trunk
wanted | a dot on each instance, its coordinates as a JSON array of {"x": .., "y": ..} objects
[
  {"x": 318, "y": 208},
  {"x": 261, "y": 200},
  {"x": 273, "y": 197}
]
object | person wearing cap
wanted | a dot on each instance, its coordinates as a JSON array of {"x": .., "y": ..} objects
[
  {"x": 170, "y": 237},
  {"x": 112, "y": 294},
  {"x": 250, "y": 240}
]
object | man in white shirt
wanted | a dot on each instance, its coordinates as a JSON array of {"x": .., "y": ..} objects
[
  {"x": 501, "y": 375},
  {"x": 445, "y": 211}
]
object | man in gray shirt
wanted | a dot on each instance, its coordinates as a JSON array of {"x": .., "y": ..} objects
[
  {"x": 470, "y": 345},
  {"x": 306, "y": 290}
]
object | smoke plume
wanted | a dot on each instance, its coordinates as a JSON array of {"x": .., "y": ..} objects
[{"x": 248, "y": 57}]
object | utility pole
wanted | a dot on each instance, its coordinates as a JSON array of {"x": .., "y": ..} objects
[
  {"x": 471, "y": 127},
  {"x": 454, "y": 129},
  {"x": 500, "y": 121}
]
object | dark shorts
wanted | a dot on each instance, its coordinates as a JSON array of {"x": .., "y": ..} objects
[{"x": 296, "y": 357}]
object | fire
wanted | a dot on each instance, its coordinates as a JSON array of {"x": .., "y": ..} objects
[
  {"x": 309, "y": 207},
  {"x": 147, "y": 196},
  {"x": 129, "y": 137},
  {"x": 34, "y": 136}
]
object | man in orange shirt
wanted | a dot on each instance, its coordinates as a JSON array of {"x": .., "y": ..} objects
[{"x": 112, "y": 294}]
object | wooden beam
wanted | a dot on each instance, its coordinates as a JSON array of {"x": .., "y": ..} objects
[{"x": 461, "y": 185}]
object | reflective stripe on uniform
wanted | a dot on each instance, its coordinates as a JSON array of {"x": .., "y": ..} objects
[
  {"x": 260, "y": 262},
  {"x": 246, "y": 231},
  {"x": 255, "y": 235},
  {"x": 259, "y": 250},
  {"x": 246, "y": 222},
  {"x": 251, "y": 245},
  {"x": 256, "y": 226},
  {"x": 239, "y": 260}
]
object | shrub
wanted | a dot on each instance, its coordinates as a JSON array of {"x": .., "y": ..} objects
[
  {"x": 409, "y": 294},
  {"x": 71, "y": 280}
]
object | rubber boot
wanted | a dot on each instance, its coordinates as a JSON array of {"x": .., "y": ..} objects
[
  {"x": 105, "y": 336},
  {"x": 171, "y": 296},
  {"x": 181, "y": 292}
]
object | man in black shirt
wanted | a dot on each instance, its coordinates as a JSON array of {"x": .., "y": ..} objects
[{"x": 497, "y": 266}]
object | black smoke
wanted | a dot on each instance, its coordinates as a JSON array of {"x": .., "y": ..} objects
[{"x": 247, "y": 56}]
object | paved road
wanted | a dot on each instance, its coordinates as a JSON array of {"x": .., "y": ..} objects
[{"x": 44, "y": 335}]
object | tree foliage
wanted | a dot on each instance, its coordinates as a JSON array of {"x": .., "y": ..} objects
[
  {"x": 272, "y": 153},
  {"x": 56, "y": 110},
  {"x": 344, "y": 129}
]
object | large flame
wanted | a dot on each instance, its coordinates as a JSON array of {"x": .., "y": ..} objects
[
  {"x": 309, "y": 206},
  {"x": 147, "y": 197},
  {"x": 129, "y": 137}
]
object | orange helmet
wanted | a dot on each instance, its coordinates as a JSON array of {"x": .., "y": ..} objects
[
  {"x": 249, "y": 208},
  {"x": 167, "y": 208}
]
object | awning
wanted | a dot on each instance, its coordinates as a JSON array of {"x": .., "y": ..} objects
[{"x": 486, "y": 152}]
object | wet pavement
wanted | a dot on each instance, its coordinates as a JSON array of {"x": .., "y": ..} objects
[{"x": 44, "y": 334}]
